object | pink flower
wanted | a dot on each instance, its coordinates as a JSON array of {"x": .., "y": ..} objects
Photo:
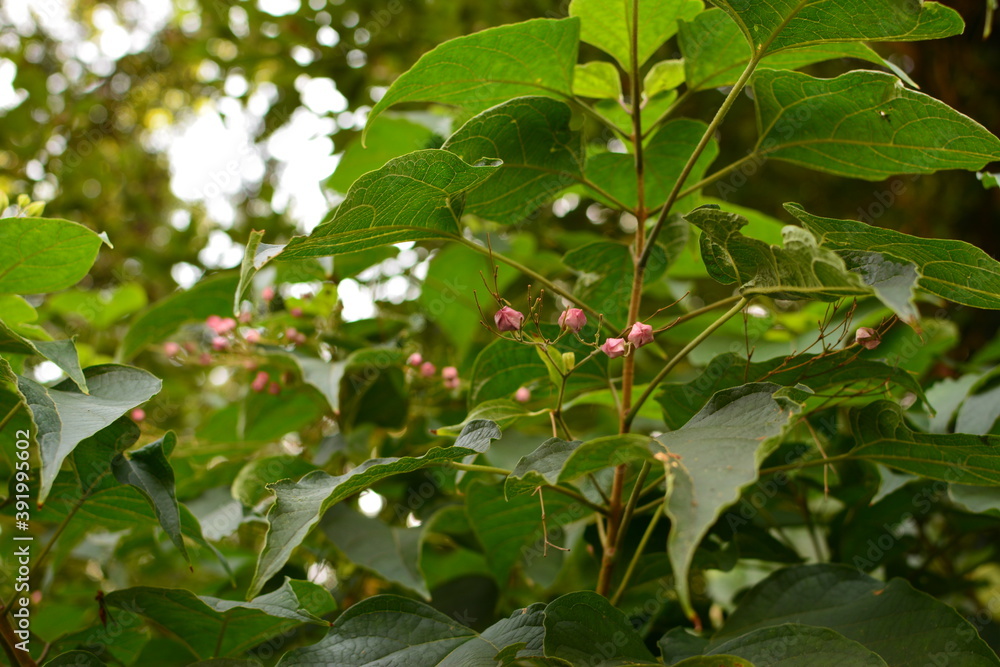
[
  {"x": 219, "y": 343},
  {"x": 274, "y": 389},
  {"x": 267, "y": 293},
  {"x": 213, "y": 321},
  {"x": 641, "y": 334},
  {"x": 508, "y": 319},
  {"x": 171, "y": 349},
  {"x": 449, "y": 373},
  {"x": 415, "y": 359},
  {"x": 452, "y": 383},
  {"x": 614, "y": 347},
  {"x": 867, "y": 338},
  {"x": 138, "y": 415},
  {"x": 295, "y": 312},
  {"x": 260, "y": 382},
  {"x": 252, "y": 336},
  {"x": 522, "y": 395},
  {"x": 573, "y": 319},
  {"x": 427, "y": 369}
]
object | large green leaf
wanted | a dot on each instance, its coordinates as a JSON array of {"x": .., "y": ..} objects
[
  {"x": 212, "y": 627},
  {"x": 738, "y": 426},
  {"x": 491, "y": 66},
  {"x": 715, "y": 53},
  {"x": 581, "y": 627},
  {"x": 541, "y": 156},
  {"x": 64, "y": 416},
  {"x": 391, "y": 137},
  {"x": 512, "y": 529},
  {"x": 60, "y": 352},
  {"x": 413, "y": 197},
  {"x": 148, "y": 470},
  {"x": 905, "y": 627},
  {"x": 607, "y": 25},
  {"x": 882, "y": 128},
  {"x": 882, "y": 436},
  {"x": 793, "y": 645},
  {"x": 539, "y": 468},
  {"x": 820, "y": 372},
  {"x": 298, "y": 506},
  {"x": 668, "y": 149},
  {"x": 263, "y": 417},
  {"x": 39, "y": 255},
  {"x": 212, "y": 296},
  {"x": 605, "y": 452},
  {"x": 389, "y": 551},
  {"x": 780, "y": 24},
  {"x": 954, "y": 270},
  {"x": 390, "y": 630}
]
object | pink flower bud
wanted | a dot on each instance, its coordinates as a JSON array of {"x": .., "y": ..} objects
[
  {"x": 246, "y": 317},
  {"x": 522, "y": 395},
  {"x": 508, "y": 319},
  {"x": 138, "y": 415},
  {"x": 614, "y": 347},
  {"x": 292, "y": 334},
  {"x": 260, "y": 382},
  {"x": 573, "y": 319},
  {"x": 641, "y": 334},
  {"x": 415, "y": 359},
  {"x": 267, "y": 293},
  {"x": 213, "y": 321},
  {"x": 252, "y": 336},
  {"x": 427, "y": 369},
  {"x": 171, "y": 349},
  {"x": 452, "y": 383},
  {"x": 226, "y": 325},
  {"x": 274, "y": 389},
  {"x": 449, "y": 373},
  {"x": 219, "y": 343},
  {"x": 867, "y": 338},
  {"x": 295, "y": 312}
]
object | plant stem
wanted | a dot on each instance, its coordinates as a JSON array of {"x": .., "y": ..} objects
[
  {"x": 630, "y": 506},
  {"x": 695, "y": 342},
  {"x": 9, "y": 415},
  {"x": 635, "y": 301},
  {"x": 700, "y": 311},
  {"x": 699, "y": 149},
  {"x": 473, "y": 467},
  {"x": 616, "y": 598}
]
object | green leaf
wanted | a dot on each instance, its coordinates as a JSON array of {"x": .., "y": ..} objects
[
  {"x": 75, "y": 659},
  {"x": 781, "y": 24},
  {"x": 414, "y": 197},
  {"x": 212, "y": 627},
  {"x": 679, "y": 643},
  {"x": 149, "y": 471},
  {"x": 605, "y": 270},
  {"x": 263, "y": 417},
  {"x": 715, "y": 53},
  {"x": 820, "y": 372},
  {"x": 953, "y": 270},
  {"x": 40, "y": 255},
  {"x": 584, "y": 625},
  {"x": 664, "y": 75},
  {"x": 391, "y": 137},
  {"x": 64, "y": 416},
  {"x": 299, "y": 505},
  {"x": 389, "y": 551},
  {"x": 512, "y": 529},
  {"x": 100, "y": 308},
  {"x": 387, "y": 629},
  {"x": 501, "y": 410},
  {"x": 863, "y": 609},
  {"x": 249, "y": 266},
  {"x": 793, "y": 645},
  {"x": 491, "y": 66},
  {"x": 250, "y": 484},
  {"x": 60, "y": 352},
  {"x": 739, "y": 426},
  {"x": 669, "y": 149},
  {"x": 541, "y": 156},
  {"x": 612, "y": 450},
  {"x": 606, "y": 25},
  {"x": 882, "y": 436},
  {"x": 599, "y": 80},
  {"x": 883, "y": 128},
  {"x": 212, "y": 296},
  {"x": 539, "y": 468}
]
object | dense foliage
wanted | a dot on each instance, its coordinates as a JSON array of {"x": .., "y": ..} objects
[{"x": 601, "y": 415}]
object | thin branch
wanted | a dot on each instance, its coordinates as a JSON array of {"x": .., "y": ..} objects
[{"x": 630, "y": 570}]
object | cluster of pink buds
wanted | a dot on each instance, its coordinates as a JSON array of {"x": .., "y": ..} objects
[
  {"x": 640, "y": 334},
  {"x": 295, "y": 336},
  {"x": 449, "y": 374},
  {"x": 220, "y": 325},
  {"x": 263, "y": 381}
]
